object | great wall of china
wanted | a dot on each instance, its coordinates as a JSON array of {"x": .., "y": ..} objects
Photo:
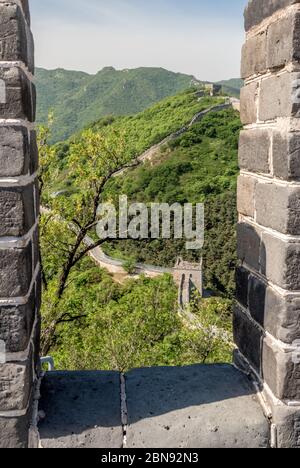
[{"x": 254, "y": 403}]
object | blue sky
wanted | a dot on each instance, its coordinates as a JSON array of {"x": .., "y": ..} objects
[{"x": 198, "y": 37}]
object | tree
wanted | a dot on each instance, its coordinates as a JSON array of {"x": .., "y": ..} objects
[{"x": 93, "y": 161}]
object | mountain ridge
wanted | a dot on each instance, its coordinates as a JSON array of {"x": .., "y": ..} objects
[{"x": 77, "y": 98}]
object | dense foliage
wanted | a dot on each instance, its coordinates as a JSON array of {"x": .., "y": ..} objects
[
  {"x": 77, "y": 99},
  {"x": 106, "y": 325},
  {"x": 140, "y": 131},
  {"x": 199, "y": 166}
]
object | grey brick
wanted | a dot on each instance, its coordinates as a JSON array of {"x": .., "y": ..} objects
[
  {"x": 282, "y": 317},
  {"x": 284, "y": 41},
  {"x": 15, "y": 157},
  {"x": 16, "y": 210},
  {"x": 16, "y": 43},
  {"x": 246, "y": 195},
  {"x": 257, "y": 299},
  {"x": 254, "y": 55},
  {"x": 286, "y": 155},
  {"x": 281, "y": 374},
  {"x": 278, "y": 315},
  {"x": 258, "y": 10},
  {"x": 20, "y": 95},
  {"x": 16, "y": 381},
  {"x": 248, "y": 337},
  {"x": 242, "y": 279},
  {"x": 16, "y": 325},
  {"x": 249, "y": 245},
  {"x": 278, "y": 207},
  {"x": 14, "y": 431},
  {"x": 280, "y": 262},
  {"x": 24, "y": 4},
  {"x": 254, "y": 149},
  {"x": 279, "y": 96},
  {"x": 15, "y": 271},
  {"x": 249, "y": 95},
  {"x": 287, "y": 422}
]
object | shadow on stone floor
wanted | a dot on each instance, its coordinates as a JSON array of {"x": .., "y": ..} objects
[{"x": 195, "y": 406}]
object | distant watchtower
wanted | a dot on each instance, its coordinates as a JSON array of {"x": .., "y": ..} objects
[
  {"x": 213, "y": 89},
  {"x": 188, "y": 276}
]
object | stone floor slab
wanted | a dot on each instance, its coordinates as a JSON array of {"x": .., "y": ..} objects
[
  {"x": 201, "y": 406},
  {"x": 82, "y": 410}
]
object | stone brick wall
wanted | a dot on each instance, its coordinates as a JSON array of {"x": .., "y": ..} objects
[
  {"x": 19, "y": 255},
  {"x": 267, "y": 317}
]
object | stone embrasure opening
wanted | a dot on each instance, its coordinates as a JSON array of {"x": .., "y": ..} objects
[{"x": 266, "y": 318}]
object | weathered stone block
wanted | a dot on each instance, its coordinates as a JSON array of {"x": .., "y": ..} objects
[
  {"x": 16, "y": 210},
  {"x": 248, "y": 337},
  {"x": 14, "y": 431},
  {"x": 249, "y": 243},
  {"x": 281, "y": 372},
  {"x": 16, "y": 43},
  {"x": 258, "y": 10},
  {"x": 257, "y": 299},
  {"x": 254, "y": 150},
  {"x": 280, "y": 262},
  {"x": 279, "y": 96},
  {"x": 16, "y": 325},
  {"x": 287, "y": 422},
  {"x": 20, "y": 95},
  {"x": 15, "y": 152},
  {"x": 16, "y": 381},
  {"x": 246, "y": 195},
  {"x": 242, "y": 279},
  {"x": 24, "y": 5},
  {"x": 278, "y": 315},
  {"x": 254, "y": 55},
  {"x": 286, "y": 155},
  {"x": 278, "y": 207},
  {"x": 282, "y": 316},
  {"x": 249, "y": 95},
  {"x": 15, "y": 271},
  {"x": 284, "y": 41}
]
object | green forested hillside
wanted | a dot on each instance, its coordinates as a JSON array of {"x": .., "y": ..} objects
[
  {"x": 140, "y": 131},
  {"x": 78, "y": 99},
  {"x": 232, "y": 86},
  {"x": 199, "y": 166}
]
